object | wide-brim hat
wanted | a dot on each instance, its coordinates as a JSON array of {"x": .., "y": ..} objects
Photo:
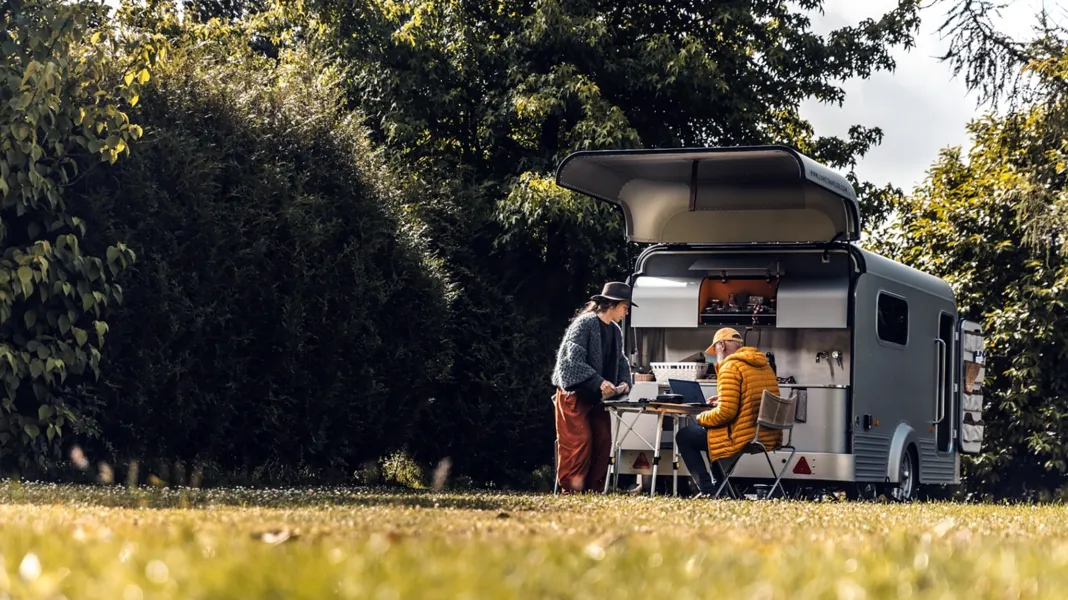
[{"x": 616, "y": 291}]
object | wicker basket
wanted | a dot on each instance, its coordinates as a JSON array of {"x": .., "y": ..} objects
[{"x": 688, "y": 371}]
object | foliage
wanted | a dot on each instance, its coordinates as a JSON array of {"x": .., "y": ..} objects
[
  {"x": 67, "y": 79},
  {"x": 302, "y": 305},
  {"x": 516, "y": 86},
  {"x": 280, "y": 321},
  {"x": 964, "y": 224},
  {"x": 99, "y": 543},
  {"x": 990, "y": 60},
  {"x": 227, "y": 10},
  {"x": 481, "y": 101},
  {"x": 991, "y": 222},
  {"x": 400, "y": 469},
  {"x": 1021, "y": 75}
]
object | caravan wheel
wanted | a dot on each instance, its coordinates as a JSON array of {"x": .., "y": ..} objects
[{"x": 908, "y": 478}]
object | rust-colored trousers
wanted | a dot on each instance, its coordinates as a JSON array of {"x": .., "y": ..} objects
[{"x": 584, "y": 433}]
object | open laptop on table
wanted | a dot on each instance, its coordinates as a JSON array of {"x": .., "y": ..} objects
[{"x": 689, "y": 390}]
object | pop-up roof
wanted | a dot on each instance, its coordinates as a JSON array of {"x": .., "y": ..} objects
[{"x": 718, "y": 195}]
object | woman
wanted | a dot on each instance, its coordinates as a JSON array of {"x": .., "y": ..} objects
[{"x": 590, "y": 367}]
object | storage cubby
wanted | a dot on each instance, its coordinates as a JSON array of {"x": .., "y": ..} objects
[{"x": 754, "y": 301}]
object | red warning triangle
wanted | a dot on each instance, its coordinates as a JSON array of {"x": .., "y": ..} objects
[
  {"x": 641, "y": 462},
  {"x": 802, "y": 468}
]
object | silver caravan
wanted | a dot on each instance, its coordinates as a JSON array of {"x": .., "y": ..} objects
[{"x": 763, "y": 239}]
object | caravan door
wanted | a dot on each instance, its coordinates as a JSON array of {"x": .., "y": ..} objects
[{"x": 972, "y": 372}]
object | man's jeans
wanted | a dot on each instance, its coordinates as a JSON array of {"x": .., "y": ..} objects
[{"x": 692, "y": 442}]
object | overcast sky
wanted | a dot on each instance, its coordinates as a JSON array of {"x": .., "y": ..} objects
[{"x": 920, "y": 108}]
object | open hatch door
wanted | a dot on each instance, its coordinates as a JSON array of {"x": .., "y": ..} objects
[
  {"x": 718, "y": 195},
  {"x": 973, "y": 372}
]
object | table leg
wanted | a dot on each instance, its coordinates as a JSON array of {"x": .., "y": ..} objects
[
  {"x": 618, "y": 452},
  {"x": 613, "y": 470},
  {"x": 615, "y": 477},
  {"x": 675, "y": 455},
  {"x": 656, "y": 451}
]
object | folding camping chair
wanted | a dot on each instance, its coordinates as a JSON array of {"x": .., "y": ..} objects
[{"x": 775, "y": 413}]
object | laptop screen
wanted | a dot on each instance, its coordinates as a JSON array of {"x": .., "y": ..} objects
[{"x": 689, "y": 390}]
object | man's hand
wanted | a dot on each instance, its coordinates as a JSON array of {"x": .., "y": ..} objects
[
  {"x": 624, "y": 387},
  {"x": 607, "y": 389},
  {"x": 714, "y": 400}
]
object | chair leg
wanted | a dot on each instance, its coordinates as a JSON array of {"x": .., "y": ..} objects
[
  {"x": 767, "y": 457},
  {"x": 778, "y": 475},
  {"x": 727, "y": 480},
  {"x": 733, "y": 493},
  {"x": 778, "y": 479}
]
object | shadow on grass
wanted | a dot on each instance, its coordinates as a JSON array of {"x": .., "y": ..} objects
[{"x": 117, "y": 496}]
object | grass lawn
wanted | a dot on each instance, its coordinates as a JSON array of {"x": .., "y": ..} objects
[{"x": 119, "y": 544}]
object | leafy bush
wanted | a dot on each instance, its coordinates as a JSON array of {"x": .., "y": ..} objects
[
  {"x": 66, "y": 78},
  {"x": 280, "y": 319},
  {"x": 399, "y": 468}
]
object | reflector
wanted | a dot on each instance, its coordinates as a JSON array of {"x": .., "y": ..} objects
[{"x": 641, "y": 462}]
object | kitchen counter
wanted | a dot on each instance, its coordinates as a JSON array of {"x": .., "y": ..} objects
[{"x": 781, "y": 385}]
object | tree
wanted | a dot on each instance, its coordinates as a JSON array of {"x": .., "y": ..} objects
[
  {"x": 67, "y": 78},
  {"x": 483, "y": 99},
  {"x": 963, "y": 225},
  {"x": 992, "y": 223},
  {"x": 1020, "y": 76},
  {"x": 225, "y": 10},
  {"x": 497, "y": 90}
]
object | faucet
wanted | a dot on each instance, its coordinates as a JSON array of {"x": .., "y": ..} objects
[{"x": 824, "y": 355}]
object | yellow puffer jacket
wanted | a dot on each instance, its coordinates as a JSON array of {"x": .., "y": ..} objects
[{"x": 740, "y": 382}]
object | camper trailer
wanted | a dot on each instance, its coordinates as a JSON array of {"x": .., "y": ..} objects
[{"x": 886, "y": 373}]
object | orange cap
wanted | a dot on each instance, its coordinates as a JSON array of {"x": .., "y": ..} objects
[{"x": 726, "y": 334}]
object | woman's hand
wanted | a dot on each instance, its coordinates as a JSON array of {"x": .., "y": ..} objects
[
  {"x": 714, "y": 400},
  {"x": 624, "y": 387}
]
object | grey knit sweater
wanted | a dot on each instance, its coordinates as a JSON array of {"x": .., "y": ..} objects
[{"x": 579, "y": 356}]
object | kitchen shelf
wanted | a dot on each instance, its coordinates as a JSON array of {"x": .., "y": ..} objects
[
  {"x": 747, "y": 319},
  {"x": 717, "y": 293}
]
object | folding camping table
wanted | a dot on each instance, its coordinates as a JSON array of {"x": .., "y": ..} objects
[{"x": 662, "y": 410}]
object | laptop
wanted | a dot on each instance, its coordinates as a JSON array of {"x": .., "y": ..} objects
[{"x": 689, "y": 390}]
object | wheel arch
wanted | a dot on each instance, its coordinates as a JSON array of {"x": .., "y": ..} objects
[{"x": 904, "y": 437}]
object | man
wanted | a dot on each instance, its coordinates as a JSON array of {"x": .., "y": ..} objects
[{"x": 742, "y": 375}]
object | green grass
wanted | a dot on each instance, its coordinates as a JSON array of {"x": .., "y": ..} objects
[{"x": 119, "y": 544}]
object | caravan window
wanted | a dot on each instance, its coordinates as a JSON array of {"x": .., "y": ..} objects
[{"x": 893, "y": 319}]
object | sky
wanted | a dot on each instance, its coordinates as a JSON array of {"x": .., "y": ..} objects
[{"x": 920, "y": 107}]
